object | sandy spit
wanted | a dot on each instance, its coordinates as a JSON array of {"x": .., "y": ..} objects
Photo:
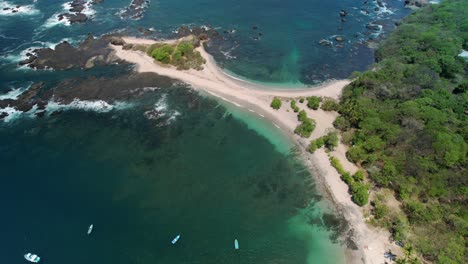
[{"x": 371, "y": 242}]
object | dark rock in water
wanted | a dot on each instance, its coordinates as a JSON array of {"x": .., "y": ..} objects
[
  {"x": 6, "y": 8},
  {"x": 379, "y": 3},
  {"x": 76, "y": 18},
  {"x": 260, "y": 34},
  {"x": 373, "y": 26},
  {"x": 135, "y": 10},
  {"x": 254, "y": 27},
  {"x": 65, "y": 56},
  {"x": 376, "y": 9},
  {"x": 26, "y": 100},
  {"x": 56, "y": 113},
  {"x": 202, "y": 33},
  {"x": 343, "y": 13},
  {"x": 325, "y": 43},
  {"x": 339, "y": 38},
  {"x": 3, "y": 115},
  {"x": 94, "y": 2},
  {"x": 40, "y": 113},
  {"x": 343, "y": 19},
  {"x": 14, "y": 11},
  {"x": 339, "y": 46},
  {"x": 30, "y": 59},
  {"x": 416, "y": 3}
]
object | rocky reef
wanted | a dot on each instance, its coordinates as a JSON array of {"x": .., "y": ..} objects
[
  {"x": 416, "y": 3},
  {"x": 77, "y": 11},
  {"x": 135, "y": 10},
  {"x": 64, "y": 56},
  {"x": 106, "y": 91}
]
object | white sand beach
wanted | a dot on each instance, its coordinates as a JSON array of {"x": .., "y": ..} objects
[{"x": 372, "y": 243}]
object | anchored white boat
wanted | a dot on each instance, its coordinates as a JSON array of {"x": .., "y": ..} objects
[
  {"x": 175, "y": 239},
  {"x": 236, "y": 244},
  {"x": 32, "y": 258},
  {"x": 90, "y": 229}
]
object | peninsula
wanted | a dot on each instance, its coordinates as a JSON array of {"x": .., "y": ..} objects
[{"x": 371, "y": 243}]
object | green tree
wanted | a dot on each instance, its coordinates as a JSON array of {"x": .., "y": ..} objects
[
  {"x": 313, "y": 102},
  {"x": 276, "y": 103}
]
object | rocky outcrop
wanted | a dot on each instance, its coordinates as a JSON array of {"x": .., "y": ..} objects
[
  {"x": 75, "y": 12},
  {"x": 135, "y": 10},
  {"x": 416, "y": 3},
  {"x": 65, "y": 56},
  {"x": 202, "y": 33}
]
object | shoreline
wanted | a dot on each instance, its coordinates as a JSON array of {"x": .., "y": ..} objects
[{"x": 256, "y": 98}]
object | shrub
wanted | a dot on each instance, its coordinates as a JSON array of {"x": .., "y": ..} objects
[
  {"x": 313, "y": 102},
  {"x": 337, "y": 165},
  {"x": 341, "y": 123},
  {"x": 331, "y": 140},
  {"x": 184, "y": 48},
  {"x": 294, "y": 106},
  {"x": 359, "y": 176},
  {"x": 380, "y": 210},
  {"x": 306, "y": 128},
  {"x": 301, "y": 100},
  {"x": 276, "y": 103},
  {"x": 329, "y": 105},
  {"x": 302, "y": 116},
  {"x": 316, "y": 144},
  {"x": 360, "y": 193},
  {"x": 163, "y": 53}
]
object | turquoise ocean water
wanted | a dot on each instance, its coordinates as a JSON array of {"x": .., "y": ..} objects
[{"x": 207, "y": 171}]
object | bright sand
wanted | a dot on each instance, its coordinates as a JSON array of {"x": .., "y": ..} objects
[{"x": 372, "y": 243}]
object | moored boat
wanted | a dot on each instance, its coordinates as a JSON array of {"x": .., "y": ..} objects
[
  {"x": 90, "y": 229},
  {"x": 236, "y": 244},
  {"x": 32, "y": 258},
  {"x": 175, "y": 239}
]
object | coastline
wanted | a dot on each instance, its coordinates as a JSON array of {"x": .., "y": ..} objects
[{"x": 256, "y": 98}]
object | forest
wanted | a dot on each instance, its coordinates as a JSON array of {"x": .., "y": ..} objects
[{"x": 405, "y": 121}]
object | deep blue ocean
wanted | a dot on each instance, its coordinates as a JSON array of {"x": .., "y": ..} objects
[{"x": 172, "y": 161}]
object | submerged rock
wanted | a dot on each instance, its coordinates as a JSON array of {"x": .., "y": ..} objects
[
  {"x": 339, "y": 38},
  {"x": 416, "y": 3},
  {"x": 325, "y": 43},
  {"x": 135, "y": 10}
]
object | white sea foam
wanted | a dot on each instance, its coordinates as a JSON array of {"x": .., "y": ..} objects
[
  {"x": 13, "y": 94},
  {"x": 97, "y": 106},
  {"x": 54, "y": 21},
  {"x": 17, "y": 57},
  {"x": 160, "y": 110},
  {"x": 12, "y": 113},
  {"x": 25, "y": 10}
]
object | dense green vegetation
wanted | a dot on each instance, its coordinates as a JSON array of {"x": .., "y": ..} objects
[
  {"x": 182, "y": 55},
  {"x": 307, "y": 125},
  {"x": 276, "y": 103},
  {"x": 357, "y": 187},
  {"x": 294, "y": 106},
  {"x": 330, "y": 141},
  {"x": 329, "y": 104},
  {"x": 313, "y": 102},
  {"x": 406, "y": 121}
]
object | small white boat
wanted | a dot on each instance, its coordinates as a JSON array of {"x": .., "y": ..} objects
[
  {"x": 90, "y": 229},
  {"x": 32, "y": 258},
  {"x": 236, "y": 244},
  {"x": 175, "y": 239}
]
